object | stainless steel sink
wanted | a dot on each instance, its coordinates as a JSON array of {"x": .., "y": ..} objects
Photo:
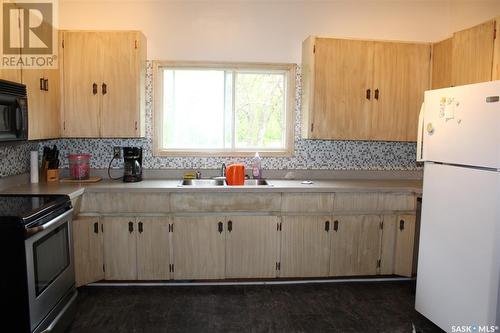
[
  {"x": 257, "y": 182},
  {"x": 203, "y": 182}
]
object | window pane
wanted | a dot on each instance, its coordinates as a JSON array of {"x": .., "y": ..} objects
[
  {"x": 193, "y": 103},
  {"x": 259, "y": 110}
]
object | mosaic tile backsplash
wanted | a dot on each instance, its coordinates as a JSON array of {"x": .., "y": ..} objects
[
  {"x": 308, "y": 154},
  {"x": 15, "y": 158}
]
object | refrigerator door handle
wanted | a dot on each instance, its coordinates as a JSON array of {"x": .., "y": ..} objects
[{"x": 420, "y": 134}]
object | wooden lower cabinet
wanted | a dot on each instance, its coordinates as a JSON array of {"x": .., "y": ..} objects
[
  {"x": 199, "y": 247},
  {"x": 88, "y": 250},
  {"x": 355, "y": 245},
  {"x": 305, "y": 246},
  {"x": 136, "y": 248},
  {"x": 120, "y": 248},
  {"x": 251, "y": 246},
  {"x": 397, "y": 248},
  {"x": 153, "y": 248}
]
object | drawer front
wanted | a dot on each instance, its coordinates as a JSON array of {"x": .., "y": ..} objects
[
  {"x": 116, "y": 202},
  {"x": 307, "y": 202},
  {"x": 220, "y": 202},
  {"x": 397, "y": 201},
  {"x": 362, "y": 202},
  {"x": 356, "y": 202}
]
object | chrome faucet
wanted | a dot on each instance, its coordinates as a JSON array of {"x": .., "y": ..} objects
[{"x": 223, "y": 170}]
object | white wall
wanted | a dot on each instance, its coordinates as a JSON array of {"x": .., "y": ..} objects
[
  {"x": 272, "y": 30},
  {"x": 467, "y": 13},
  {"x": 268, "y": 31}
]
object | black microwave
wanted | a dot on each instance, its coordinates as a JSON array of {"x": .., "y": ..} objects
[{"x": 13, "y": 111}]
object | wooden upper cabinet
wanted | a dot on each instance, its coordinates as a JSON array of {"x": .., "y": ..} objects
[
  {"x": 472, "y": 57},
  {"x": 363, "y": 90},
  {"x": 123, "y": 63},
  {"x": 81, "y": 74},
  {"x": 400, "y": 79},
  {"x": 342, "y": 76},
  {"x": 495, "y": 74},
  {"x": 43, "y": 90},
  {"x": 442, "y": 63},
  {"x": 104, "y": 78},
  {"x": 13, "y": 75}
]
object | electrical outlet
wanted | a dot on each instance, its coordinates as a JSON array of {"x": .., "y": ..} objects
[{"x": 117, "y": 152}]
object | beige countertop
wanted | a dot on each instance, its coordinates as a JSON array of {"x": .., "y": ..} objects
[{"x": 157, "y": 185}]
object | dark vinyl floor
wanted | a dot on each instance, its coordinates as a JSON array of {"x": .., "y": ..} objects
[{"x": 338, "y": 307}]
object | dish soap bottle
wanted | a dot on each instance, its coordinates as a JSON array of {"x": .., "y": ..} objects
[{"x": 257, "y": 166}]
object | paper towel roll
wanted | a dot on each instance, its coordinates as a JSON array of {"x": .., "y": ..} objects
[{"x": 34, "y": 166}]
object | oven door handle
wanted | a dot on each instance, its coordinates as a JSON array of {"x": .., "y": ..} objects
[{"x": 55, "y": 222}]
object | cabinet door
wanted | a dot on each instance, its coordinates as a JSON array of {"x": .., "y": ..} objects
[
  {"x": 342, "y": 79},
  {"x": 43, "y": 97},
  {"x": 473, "y": 54},
  {"x": 153, "y": 248},
  {"x": 401, "y": 75},
  {"x": 355, "y": 245},
  {"x": 388, "y": 246},
  {"x": 52, "y": 103},
  {"x": 13, "y": 75},
  {"x": 441, "y": 63},
  {"x": 251, "y": 246},
  {"x": 199, "y": 247},
  {"x": 88, "y": 250},
  {"x": 81, "y": 71},
  {"x": 405, "y": 241},
  {"x": 305, "y": 246},
  {"x": 123, "y": 65},
  {"x": 120, "y": 242},
  {"x": 36, "y": 103}
]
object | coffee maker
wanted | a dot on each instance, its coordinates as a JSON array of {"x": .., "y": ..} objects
[{"x": 132, "y": 157}]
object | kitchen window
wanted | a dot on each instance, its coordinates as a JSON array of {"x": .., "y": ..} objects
[{"x": 204, "y": 109}]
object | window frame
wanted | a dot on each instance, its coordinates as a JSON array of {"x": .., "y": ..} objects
[{"x": 289, "y": 127}]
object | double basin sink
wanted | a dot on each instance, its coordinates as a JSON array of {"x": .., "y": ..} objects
[{"x": 221, "y": 182}]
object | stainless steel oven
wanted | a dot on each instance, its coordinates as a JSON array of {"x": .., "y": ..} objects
[
  {"x": 13, "y": 111},
  {"x": 49, "y": 258},
  {"x": 37, "y": 283}
]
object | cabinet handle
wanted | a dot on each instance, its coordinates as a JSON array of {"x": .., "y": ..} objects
[
  {"x": 368, "y": 94},
  {"x": 401, "y": 225},
  {"x": 104, "y": 88},
  {"x": 94, "y": 88},
  {"x": 377, "y": 93},
  {"x": 140, "y": 227},
  {"x": 96, "y": 228},
  {"x": 130, "y": 227},
  {"x": 42, "y": 81},
  {"x": 327, "y": 226},
  {"x": 220, "y": 227},
  {"x": 46, "y": 84},
  {"x": 336, "y": 225},
  {"x": 135, "y": 124},
  {"x": 229, "y": 225}
]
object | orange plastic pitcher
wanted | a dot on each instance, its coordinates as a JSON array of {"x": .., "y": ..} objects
[{"x": 235, "y": 174}]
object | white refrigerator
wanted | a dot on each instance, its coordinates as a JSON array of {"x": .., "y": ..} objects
[{"x": 458, "y": 272}]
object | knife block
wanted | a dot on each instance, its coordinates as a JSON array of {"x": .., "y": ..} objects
[{"x": 52, "y": 175}]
